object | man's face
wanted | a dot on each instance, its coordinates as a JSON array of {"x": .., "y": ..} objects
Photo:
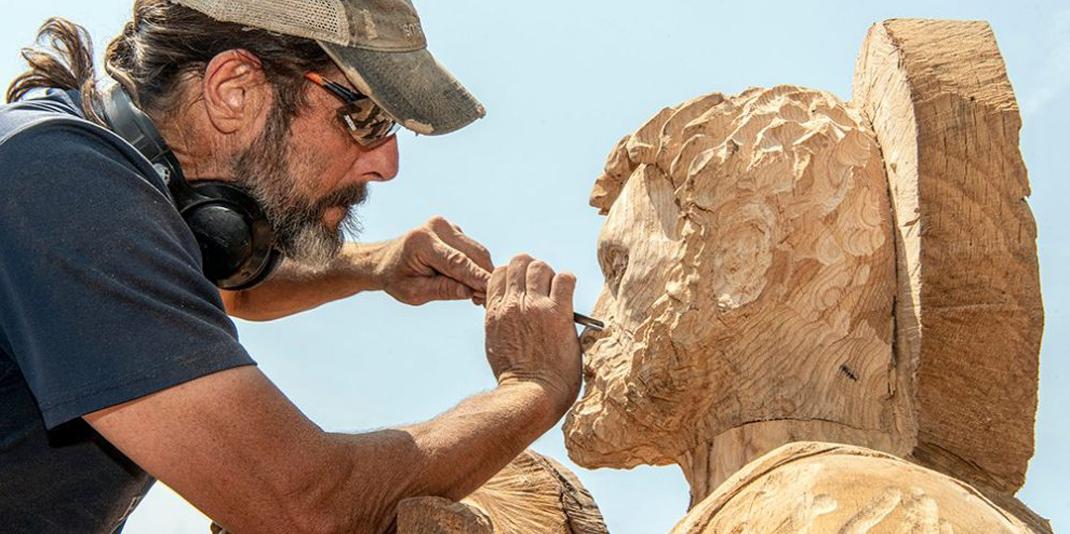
[{"x": 308, "y": 175}]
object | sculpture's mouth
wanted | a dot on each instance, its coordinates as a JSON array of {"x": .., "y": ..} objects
[
  {"x": 594, "y": 426},
  {"x": 604, "y": 354},
  {"x": 598, "y": 347}
]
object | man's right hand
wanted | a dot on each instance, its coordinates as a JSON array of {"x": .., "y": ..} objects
[{"x": 530, "y": 333}]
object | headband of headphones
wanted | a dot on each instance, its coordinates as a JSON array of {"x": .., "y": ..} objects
[{"x": 236, "y": 239}]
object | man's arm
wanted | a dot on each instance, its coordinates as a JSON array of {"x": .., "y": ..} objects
[
  {"x": 435, "y": 261},
  {"x": 235, "y": 447},
  {"x": 295, "y": 288}
]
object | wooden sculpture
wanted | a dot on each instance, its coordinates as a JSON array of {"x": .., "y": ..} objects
[
  {"x": 532, "y": 494},
  {"x": 794, "y": 283}
]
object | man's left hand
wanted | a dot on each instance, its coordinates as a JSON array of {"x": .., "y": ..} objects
[{"x": 435, "y": 261}]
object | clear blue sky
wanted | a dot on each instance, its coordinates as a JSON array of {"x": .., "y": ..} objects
[{"x": 562, "y": 82}]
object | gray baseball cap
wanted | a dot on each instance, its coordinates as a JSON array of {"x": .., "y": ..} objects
[{"x": 379, "y": 44}]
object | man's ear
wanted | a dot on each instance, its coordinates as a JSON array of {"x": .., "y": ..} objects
[{"x": 236, "y": 91}]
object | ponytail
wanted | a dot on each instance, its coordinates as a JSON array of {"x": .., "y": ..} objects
[{"x": 63, "y": 58}]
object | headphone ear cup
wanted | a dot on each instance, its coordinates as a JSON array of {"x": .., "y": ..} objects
[
  {"x": 236, "y": 239},
  {"x": 224, "y": 236}
]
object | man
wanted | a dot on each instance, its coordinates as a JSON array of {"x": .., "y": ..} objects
[{"x": 118, "y": 363}]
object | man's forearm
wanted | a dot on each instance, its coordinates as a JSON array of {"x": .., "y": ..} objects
[
  {"x": 233, "y": 445},
  {"x": 449, "y": 456},
  {"x": 294, "y": 288}
]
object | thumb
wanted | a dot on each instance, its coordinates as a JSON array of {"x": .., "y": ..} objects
[
  {"x": 561, "y": 290},
  {"x": 433, "y": 288}
]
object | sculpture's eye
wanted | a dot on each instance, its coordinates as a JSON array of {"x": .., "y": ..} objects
[{"x": 614, "y": 261}]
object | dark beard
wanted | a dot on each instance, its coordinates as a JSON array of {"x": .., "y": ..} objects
[{"x": 300, "y": 233}]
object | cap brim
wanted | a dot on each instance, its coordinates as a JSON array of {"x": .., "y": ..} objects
[{"x": 411, "y": 86}]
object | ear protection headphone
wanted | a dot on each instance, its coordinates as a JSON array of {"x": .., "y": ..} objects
[{"x": 236, "y": 240}]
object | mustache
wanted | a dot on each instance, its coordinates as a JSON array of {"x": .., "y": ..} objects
[{"x": 353, "y": 195}]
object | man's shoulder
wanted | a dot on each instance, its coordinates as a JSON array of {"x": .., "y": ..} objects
[
  {"x": 61, "y": 175},
  {"x": 50, "y": 131},
  {"x": 44, "y": 114}
]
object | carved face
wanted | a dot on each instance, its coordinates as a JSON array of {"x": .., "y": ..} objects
[{"x": 748, "y": 263}]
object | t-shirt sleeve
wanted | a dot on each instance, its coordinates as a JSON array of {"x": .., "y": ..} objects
[{"x": 102, "y": 298}]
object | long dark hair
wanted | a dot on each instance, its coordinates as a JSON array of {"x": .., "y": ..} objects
[{"x": 162, "y": 45}]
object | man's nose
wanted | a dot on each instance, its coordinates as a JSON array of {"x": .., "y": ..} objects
[{"x": 382, "y": 161}]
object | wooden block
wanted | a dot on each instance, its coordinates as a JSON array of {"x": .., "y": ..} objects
[
  {"x": 436, "y": 515},
  {"x": 968, "y": 311},
  {"x": 532, "y": 494}
]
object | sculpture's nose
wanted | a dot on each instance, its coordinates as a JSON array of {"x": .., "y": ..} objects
[{"x": 589, "y": 337}]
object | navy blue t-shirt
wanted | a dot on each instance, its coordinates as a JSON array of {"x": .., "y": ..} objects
[{"x": 102, "y": 301}]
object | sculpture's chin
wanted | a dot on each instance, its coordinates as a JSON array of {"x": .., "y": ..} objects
[
  {"x": 615, "y": 424},
  {"x": 599, "y": 434},
  {"x": 594, "y": 427},
  {"x": 592, "y": 433}
]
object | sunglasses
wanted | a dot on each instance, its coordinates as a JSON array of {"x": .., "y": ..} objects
[{"x": 368, "y": 124}]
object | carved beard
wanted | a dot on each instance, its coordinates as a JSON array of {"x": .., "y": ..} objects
[{"x": 300, "y": 231}]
